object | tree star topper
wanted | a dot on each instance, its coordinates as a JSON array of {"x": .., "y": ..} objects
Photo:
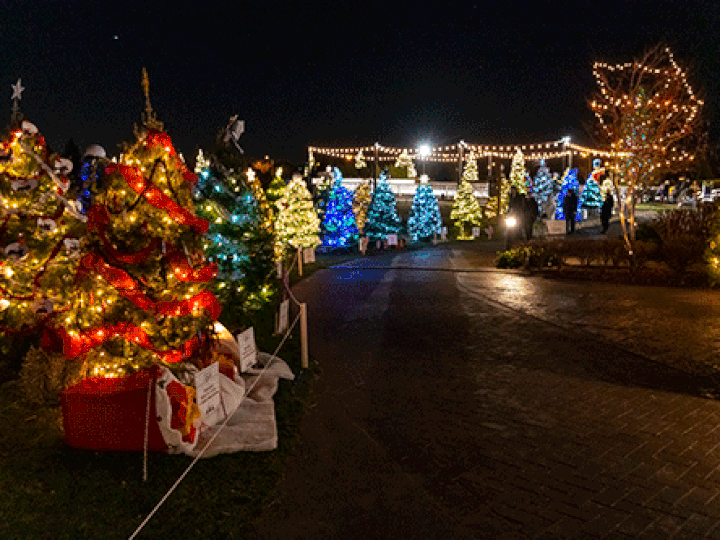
[{"x": 17, "y": 90}]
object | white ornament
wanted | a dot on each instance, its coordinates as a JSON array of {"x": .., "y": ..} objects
[
  {"x": 47, "y": 225},
  {"x": 4, "y": 304},
  {"x": 17, "y": 90},
  {"x": 72, "y": 247},
  {"x": 96, "y": 151},
  {"x": 29, "y": 127},
  {"x": 27, "y": 184},
  {"x": 16, "y": 251},
  {"x": 63, "y": 166}
]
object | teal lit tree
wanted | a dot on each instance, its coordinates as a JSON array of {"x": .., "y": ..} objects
[
  {"x": 425, "y": 219},
  {"x": 338, "y": 225},
  {"x": 322, "y": 194},
  {"x": 382, "y": 216},
  {"x": 569, "y": 182},
  {"x": 544, "y": 185},
  {"x": 591, "y": 196},
  {"x": 239, "y": 240}
]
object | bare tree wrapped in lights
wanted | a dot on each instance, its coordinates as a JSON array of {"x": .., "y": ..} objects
[{"x": 649, "y": 117}]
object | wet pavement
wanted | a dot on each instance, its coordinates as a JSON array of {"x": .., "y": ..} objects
[{"x": 457, "y": 401}]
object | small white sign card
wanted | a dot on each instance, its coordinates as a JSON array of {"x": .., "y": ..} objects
[
  {"x": 443, "y": 233},
  {"x": 392, "y": 239},
  {"x": 309, "y": 255},
  {"x": 280, "y": 269},
  {"x": 476, "y": 232},
  {"x": 207, "y": 384},
  {"x": 283, "y": 316},
  {"x": 248, "y": 349}
]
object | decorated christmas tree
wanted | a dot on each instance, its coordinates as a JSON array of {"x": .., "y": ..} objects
[
  {"x": 544, "y": 185},
  {"x": 360, "y": 161},
  {"x": 322, "y": 194},
  {"x": 338, "y": 225},
  {"x": 465, "y": 210},
  {"x": 425, "y": 220},
  {"x": 275, "y": 190},
  {"x": 591, "y": 197},
  {"x": 361, "y": 202},
  {"x": 40, "y": 232},
  {"x": 382, "y": 217},
  {"x": 569, "y": 182},
  {"x": 498, "y": 204},
  {"x": 238, "y": 240},
  {"x": 404, "y": 164},
  {"x": 142, "y": 293},
  {"x": 470, "y": 174},
  {"x": 297, "y": 224},
  {"x": 517, "y": 172}
]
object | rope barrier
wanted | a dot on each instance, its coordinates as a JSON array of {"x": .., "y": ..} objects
[{"x": 224, "y": 424}]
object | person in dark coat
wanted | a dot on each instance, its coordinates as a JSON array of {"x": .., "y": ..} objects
[
  {"x": 531, "y": 214},
  {"x": 516, "y": 209},
  {"x": 569, "y": 204},
  {"x": 606, "y": 211}
]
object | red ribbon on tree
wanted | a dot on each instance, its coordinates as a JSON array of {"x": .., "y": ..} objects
[
  {"x": 154, "y": 195},
  {"x": 184, "y": 272},
  {"x": 98, "y": 220},
  {"x": 78, "y": 344},
  {"x": 128, "y": 288},
  {"x": 160, "y": 138}
]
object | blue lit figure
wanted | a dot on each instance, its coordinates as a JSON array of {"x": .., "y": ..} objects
[
  {"x": 569, "y": 182},
  {"x": 338, "y": 225},
  {"x": 91, "y": 175},
  {"x": 425, "y": 219}
]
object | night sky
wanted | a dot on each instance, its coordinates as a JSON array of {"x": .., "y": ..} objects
[{"x": 336, "y": 73}]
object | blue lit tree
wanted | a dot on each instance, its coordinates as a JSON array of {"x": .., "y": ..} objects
[
  {"x": 425, "y": 219},
  {"x": 544, "y": 185},
  {"x": 569, "y": 182},
  {"x": 338, "y": 225},
  {"x": 591, "y": 197},
  {"x": 382, "y": 216}
]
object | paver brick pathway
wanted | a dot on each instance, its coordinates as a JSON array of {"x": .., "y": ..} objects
[{"x": 448, "y": 411}]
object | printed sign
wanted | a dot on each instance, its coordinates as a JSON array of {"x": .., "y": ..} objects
[
  {"x": 443, "y": 233},
  {"x": 392, "y": 239},
  {"x": 283, "y": 316},
  {"x": 207, "y": 385},
  {"x": 280, "y": 269},
  {"x": 248, "y": 349},
  {"x": 309, "y": 255},
  {"x": 476, "y": 232}
]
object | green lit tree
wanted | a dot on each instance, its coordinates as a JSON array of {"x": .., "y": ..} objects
[
  {"x": 465, "y": 210},
  {"x": 517, "y": 172},
  {"x": 297, "y": 224}
]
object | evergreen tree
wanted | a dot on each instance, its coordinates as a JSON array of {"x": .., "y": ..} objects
[
  {"x": 382, "y": 217},
  {"x": 297, "y": 224},
  {"x": 569, "y": 182},
  {"x": 405, "y": 165},
  {"x": 425, "y": 219},
  {"x": 238, "y": 239},
  {"x": 275, "y": 191},
  {"x": 591, "y": 197},
  {"x": 360, "y": 161},
  {"x": 517, "y": 172},
  {"x": 495, "y": 207},
  {"x": 361, "y": 202},
  {"x": 338, "y": 225},
  {"x": 322, "y": 194},
  {"x": 470, "y": 174},
  {"x": 544, "y": 184},
  {"x": 465, "y": 210},
  {"x": 143, "y": 293},
  {"x": 40, "y": 232}
]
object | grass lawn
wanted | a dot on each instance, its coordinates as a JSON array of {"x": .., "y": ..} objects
[{"x": 53, "y": 491}]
